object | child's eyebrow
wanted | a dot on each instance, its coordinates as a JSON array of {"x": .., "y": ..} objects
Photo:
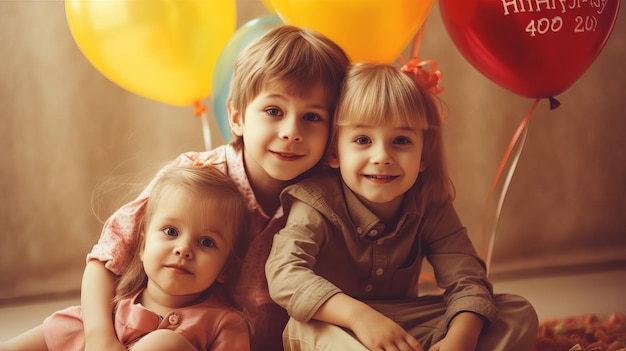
[
  {"x": 407, "y": 128},
  {"x": 277, "y": 96},
  {"x": 213, "y": 231},
  {"x": 318, "y": 107},
  {"x": 285, "y": 97}
]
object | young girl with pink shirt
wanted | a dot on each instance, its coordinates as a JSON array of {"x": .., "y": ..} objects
[{"x": 175, "y": 292}]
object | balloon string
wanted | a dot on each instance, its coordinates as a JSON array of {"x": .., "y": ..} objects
[
  {"x": 516, "y": 144},
  {"x": 417, "y": 40},
  {"x": 415, "y": 47},
  {"x": 201, "y": 111}
]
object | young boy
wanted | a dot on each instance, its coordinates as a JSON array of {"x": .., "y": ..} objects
[
  {"x": 281, "y": 104},
  {"x": 346, "y": 265}
]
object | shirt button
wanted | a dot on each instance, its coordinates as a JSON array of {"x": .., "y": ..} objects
[
  {"x": 373, "y": 232},
  {"x": 369, "y": 288},
  {"x": 359, "y": 230},
  {"x": 174, "y": 319},
  {"x": 380, "y": 271}
]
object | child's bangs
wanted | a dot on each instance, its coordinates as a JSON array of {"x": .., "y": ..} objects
[
  {"x": 303, "y": 74},
  {"x": 376, "y": 105},
  {"x": 218, "y": 200}
]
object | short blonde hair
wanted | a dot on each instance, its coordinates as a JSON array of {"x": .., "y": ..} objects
[
  {"x": 381, "y": 94},
  {"x": 292, "y": 58}
]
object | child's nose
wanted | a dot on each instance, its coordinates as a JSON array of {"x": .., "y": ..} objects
[
  {"x": 380, "y": 155},
  {"x": 290, "y": 130},
  {"x": 183, "y": 251}
]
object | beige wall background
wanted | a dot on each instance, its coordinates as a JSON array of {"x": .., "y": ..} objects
[{"x": 67, "y": 135}]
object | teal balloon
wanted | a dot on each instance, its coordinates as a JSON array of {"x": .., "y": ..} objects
[{"x": 223, "y": 70}]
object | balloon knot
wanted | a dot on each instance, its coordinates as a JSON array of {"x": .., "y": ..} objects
[
  {"x": 198, "y": 109},
  {"x": 554, "y": 103}
]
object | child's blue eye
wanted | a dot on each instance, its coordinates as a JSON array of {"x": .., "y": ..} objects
[
  {"x": 312, "y": 117},
  {"x": 207, "y": 242},
  {"x": 273, "y": 112},
  {"x": 169, "y": 231},
  {"x": 402, "y": 140},
  {"x": 362, "y": 140}
]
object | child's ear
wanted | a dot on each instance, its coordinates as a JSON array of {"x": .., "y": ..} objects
[
  {"x": 332, "y": 159},
  {"x": 235, "y": 119},
  {"x": 223, "y": 277},
  {"x": 422, "y": 165}
]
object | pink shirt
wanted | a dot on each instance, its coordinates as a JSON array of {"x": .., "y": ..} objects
[
  {"x": 267, "y": 318},
  {"x": 209, "y": 325}
]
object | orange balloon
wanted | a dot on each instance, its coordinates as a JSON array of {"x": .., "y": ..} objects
[
  {"x": 160, "y": 49},
  {"x": 368, "y": 30}
]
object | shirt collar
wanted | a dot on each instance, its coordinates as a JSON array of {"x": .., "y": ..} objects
[
  {"x": 368, "y": 225},
  {"x": 237, "y": 171}
]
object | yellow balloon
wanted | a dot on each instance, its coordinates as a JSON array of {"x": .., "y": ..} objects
[
  {"x": 164, "y": 50},
  {"x": 368, "y": 30},
  {"x": 268, "y": 5}
]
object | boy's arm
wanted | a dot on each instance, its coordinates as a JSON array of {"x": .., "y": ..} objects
[
  {"x": 458, "y": 268},
  {"x": 370, "y": 327},
  {"x": 97, "y": 291},
  {"x": 463, "y": 333}
]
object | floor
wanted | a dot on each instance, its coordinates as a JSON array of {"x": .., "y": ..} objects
[
  {"x": 572, "y": 295},
  {"x": 559, "y": 296}
]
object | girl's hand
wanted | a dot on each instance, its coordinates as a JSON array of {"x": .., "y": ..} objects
[
  {"x": 370, "y": 327},
  {"x": 378, "y": 332}
]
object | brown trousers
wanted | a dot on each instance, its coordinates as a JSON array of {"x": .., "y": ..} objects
[{"x": 514, "y": 330}]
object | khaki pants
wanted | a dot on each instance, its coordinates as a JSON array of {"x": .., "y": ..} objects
[{"x": 514, "y": 330}]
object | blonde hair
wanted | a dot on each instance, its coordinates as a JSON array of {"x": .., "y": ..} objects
[
  {"x": 381, "y": 94},
  {"x": 292, "y": 58},
  {"x": 212, "y": 188}
]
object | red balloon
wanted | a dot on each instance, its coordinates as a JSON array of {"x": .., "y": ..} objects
[{"x": 534, "y": 48}]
